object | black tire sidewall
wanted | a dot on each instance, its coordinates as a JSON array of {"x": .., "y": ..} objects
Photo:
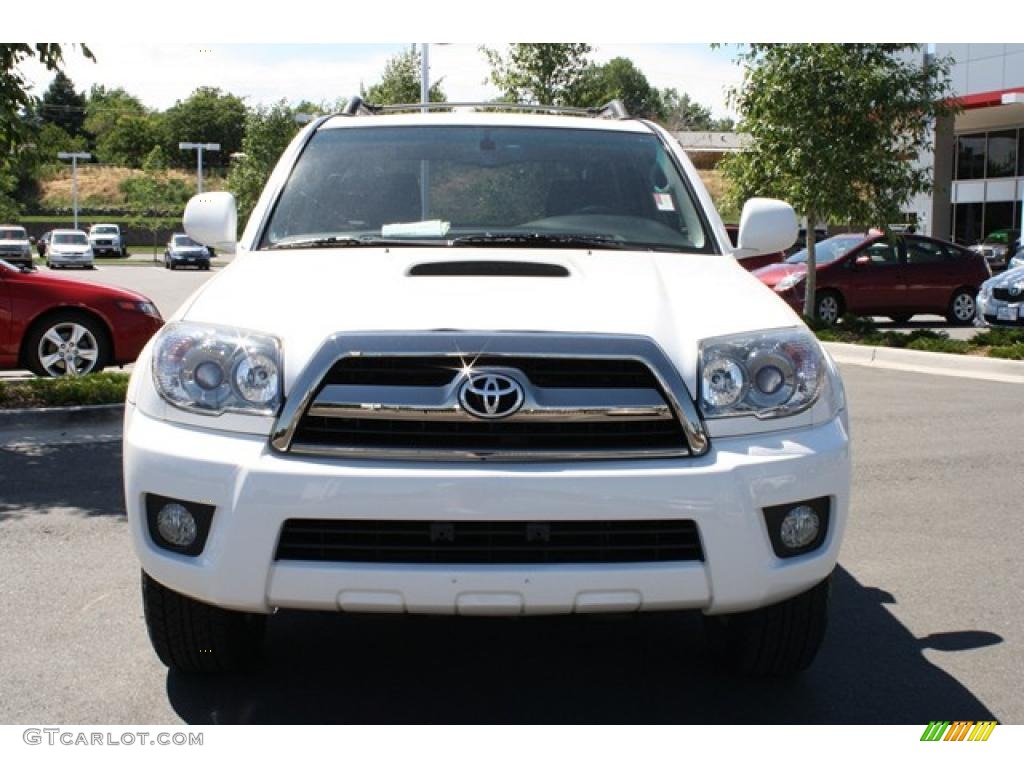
[{"x": 39, "y": 329}]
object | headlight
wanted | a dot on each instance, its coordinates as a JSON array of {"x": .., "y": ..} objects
[
  {"x": 790, "y": 280},
  {"x": 765, "y": 374},
  {"x": 212, "y": 369}
]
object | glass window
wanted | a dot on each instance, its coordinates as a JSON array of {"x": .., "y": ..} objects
[
  {"x": 999, "y": 218},
  {"x": 967, "y": 230},
  {"x": 1002, "y": 154},
  {"x": 882, "y": 254},
  {"x": 827, "y": 251},
  {"x": 970, "y": 156},
  {"x": 924, "y": 252},
  {"x": 486, "y": 181},
  {"x": 1020, "y": 153}
]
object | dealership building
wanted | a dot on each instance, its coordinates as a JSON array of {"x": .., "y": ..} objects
[{"x": 978, "y": 155}]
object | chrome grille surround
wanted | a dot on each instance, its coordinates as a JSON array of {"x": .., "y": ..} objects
[{"x": 310, "y": 395}]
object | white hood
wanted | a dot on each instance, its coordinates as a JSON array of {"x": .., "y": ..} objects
[{"x": 305, "y": 296}]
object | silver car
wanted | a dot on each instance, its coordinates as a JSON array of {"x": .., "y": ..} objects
[
  {"x": 15, "y": 246},
  {"x": 1001, "y": 299},
  {"x": 69, "y": 248}
]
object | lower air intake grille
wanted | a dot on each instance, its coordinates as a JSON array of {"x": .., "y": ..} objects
[{"x": 448, "y": 542}]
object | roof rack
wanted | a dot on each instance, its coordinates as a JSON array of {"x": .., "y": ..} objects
[{"x": 614, "y": 109}]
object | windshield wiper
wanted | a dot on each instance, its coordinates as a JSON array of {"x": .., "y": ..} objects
[
  {"x": 540, "y": 239},
  {"x": 347, "y": 241}
]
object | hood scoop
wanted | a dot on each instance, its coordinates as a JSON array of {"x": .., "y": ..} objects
[{"x": 477, "y": 268}]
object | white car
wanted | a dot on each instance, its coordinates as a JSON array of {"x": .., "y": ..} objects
[
  {"x": 106, "y": 238},
  {"x": 15, "y": 246},
  {"x": 488, "y": 364},
  {"x": 69, "y": 248}
]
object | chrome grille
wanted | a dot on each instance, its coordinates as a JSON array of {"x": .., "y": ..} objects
[{"x": 381, "y": 396}]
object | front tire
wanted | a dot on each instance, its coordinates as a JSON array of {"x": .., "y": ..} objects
[
  {"x": 828, "y": 307},
  {"x": 776, "y": 641},
  {"x": 194, "y": 637},
  {"x": 962, "y": 308},
  {"x": 67, "y": 344}
]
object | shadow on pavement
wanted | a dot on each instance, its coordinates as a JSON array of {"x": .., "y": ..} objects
[
  {"x": 82, "y": 477},
  {"x": 653, "y": 668}
]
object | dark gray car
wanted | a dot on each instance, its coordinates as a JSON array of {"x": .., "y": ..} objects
[{"x": 183, "y": 251}]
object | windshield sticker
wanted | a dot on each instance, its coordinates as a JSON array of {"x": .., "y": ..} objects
[
  {"x": 433, "y": 228},
  {"x": 664, "y": 201}
]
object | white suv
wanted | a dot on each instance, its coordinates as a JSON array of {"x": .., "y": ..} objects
[
  {"x": 106, "y": 238},
  {"x": 486, "y": 363}
]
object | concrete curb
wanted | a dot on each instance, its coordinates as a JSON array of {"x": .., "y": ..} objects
[
  {"x": 60, "y": 418},
  {"x": 936, "y": 363}
]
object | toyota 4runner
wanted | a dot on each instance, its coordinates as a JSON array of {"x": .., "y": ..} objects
[{"x": 489, "y": 363}]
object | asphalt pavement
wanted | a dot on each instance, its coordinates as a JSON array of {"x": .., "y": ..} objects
[{"x": 927, "y": 620}]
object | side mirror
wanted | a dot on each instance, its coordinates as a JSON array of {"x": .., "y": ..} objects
[
  {"x": 212, "y": 219},
  {"x": 766, "y": 226},
  {"x": 32, "y": 240},
  {"x": 863, "y": 260}
]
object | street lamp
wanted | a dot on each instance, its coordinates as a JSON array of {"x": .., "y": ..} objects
[
  {"x": 74, "y": 157},
  {"x": 199, "y": 162}
]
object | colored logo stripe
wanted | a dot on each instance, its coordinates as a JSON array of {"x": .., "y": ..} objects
[{"x": 958, "y": 730}]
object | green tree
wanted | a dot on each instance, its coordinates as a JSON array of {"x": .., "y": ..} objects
[
  {"x": 837, "y": 130},
  {"x": 540, "y": 73},
  {"x": 128, "y": 141},
  {"x": 208, "y": 115},
  {"x": 19, "y": 122},
  {"x": 267, "y": 132},
  {"x": 681, "y": 113},
  {"x": 63, "y": 106},
  {"x": 619, "y": 79},
  {"x": 400, "y": 83}
]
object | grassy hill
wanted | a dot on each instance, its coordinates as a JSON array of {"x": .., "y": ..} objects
[{"x": 99, "y": 186}]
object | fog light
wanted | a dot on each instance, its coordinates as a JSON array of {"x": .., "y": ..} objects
[
  {"x": 176, "y": 525},
  {"x": 799, "y": 527}
]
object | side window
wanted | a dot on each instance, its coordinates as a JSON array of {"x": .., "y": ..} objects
[
  {"x": 925, "y": 252},
  {"x": 882, "y": 254}
]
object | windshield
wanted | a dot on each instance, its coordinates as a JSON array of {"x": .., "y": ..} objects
[
  {"x": 70, "y": 238},
  {"x": 184, "y": 241},
  {"x": 827, "y": 251},
  {"x": 506, "y": 185},
  {"x": 13, "y": 233},
  {"x": 104, "y": 230}
]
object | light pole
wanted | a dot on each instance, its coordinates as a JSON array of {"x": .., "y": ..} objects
[
  {"x": 424, "y": 99},
  {"x": 199, "y": 162},
  {"x": 74, "y": 157}
]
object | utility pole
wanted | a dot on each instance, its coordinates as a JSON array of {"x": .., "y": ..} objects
[
  {"x": 199, "y": 161},
  {"x": 424, "y": 99},
  {"x": 74, "y": 157}
]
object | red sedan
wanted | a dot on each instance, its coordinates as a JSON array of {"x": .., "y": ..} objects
[
  {"x": 56, "y": 326},
  {"x": 870, "y": 275}
]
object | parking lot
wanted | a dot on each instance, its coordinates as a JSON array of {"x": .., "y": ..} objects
[{"x": 927, "y": 620}]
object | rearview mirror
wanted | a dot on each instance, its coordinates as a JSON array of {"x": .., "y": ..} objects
[
  {"x": 766, "y": 226},
  {"x": 212, "y": 219}
]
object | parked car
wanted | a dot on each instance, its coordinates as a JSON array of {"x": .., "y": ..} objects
[
  {"x": 1001, "y": 299},
  {"x": 43, "y": 243},
  {"x": 1017, "y": 260},
  {"x": 998, "y": 247},
  {"x": 106, "y": 238},
  {"x": 15, "y": 246},
  {"x": 871, "y": 275},
  {"x": 183, "y": 251},
  {"x": 753, "y": 262},
  {"x": 544, "y": 386},
  {"x": 69, "y": 248},
  {"x": 55, "y": 326}
]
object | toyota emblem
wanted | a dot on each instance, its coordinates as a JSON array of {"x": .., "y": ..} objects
[{"x": 489, "y": 395}]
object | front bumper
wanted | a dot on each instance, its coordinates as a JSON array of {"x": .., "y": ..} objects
[
  {"x": 996, "y": 312},
  {"x": 71, "y": 259},
  {"x": 254, "y": 490}
]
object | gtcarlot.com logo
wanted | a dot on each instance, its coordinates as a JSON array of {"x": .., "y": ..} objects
[
  {"x": 72, "y": 738},
  {"x": 958, "y": 730}
]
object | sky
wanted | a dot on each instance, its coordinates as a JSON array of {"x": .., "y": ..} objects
[{"x": 161, "y": 73}]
